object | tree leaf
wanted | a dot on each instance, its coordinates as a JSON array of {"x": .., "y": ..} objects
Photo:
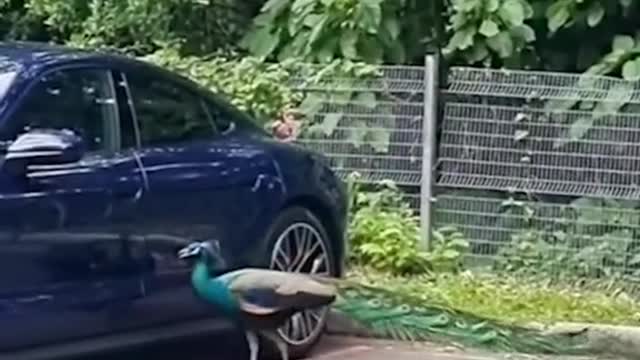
[
  {"x": 576, "y": 131},
  {"x": 512, "y": 12},
  {"x": 302, "y": 6},
  {"x": 330, "y": 123},
  {"x": 595, "y": 14},
  {"x": 295, "y": 47},
  {"x": 489, "y": 28},
  {"x": 371, "y": 15},
  {"x": 348, "y": 42},
  {"x": 492, "y": 5},
  {"x": 317, "y": 29},
  {"x": 524, "y": 32},
  {"x": 397, "y": 53},
  {"x": 502, "y": 44},
  {"x": 370, "y": 50},
  {"x": 275, "y": 7},
  {"x": 368, "y": 99},
  {"x": 617, "y": 96},
  {"x": 609, "y": 63},
  {"x": 392, "y": 26},
  {"x": 263, "y": 41},
  {"x": 529, "y": 12},
  {"x": 326, "y": 52},
  {"x": 312, "y": 103},
  {"x": 631, "y": 70},
  {"x": 312, "y": 20},
  {"x": 357, "y": 133},
  {"x": 623, "y": 43},
  {"x": 463, "y": 38},
  {"x": 379, "y": 139},
  {"x": 478, "y": 53},
  {"x": 557, "y": 15}
]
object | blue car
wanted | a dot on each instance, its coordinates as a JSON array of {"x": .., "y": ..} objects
[{"x": 109, "y": 166}]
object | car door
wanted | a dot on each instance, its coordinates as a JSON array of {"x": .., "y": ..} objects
[
  {"x": 68, "y": 269},
  {"x": 201, "y": 185}
]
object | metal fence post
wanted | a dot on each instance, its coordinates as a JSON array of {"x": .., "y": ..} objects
[{"x": 429, "y": 121}]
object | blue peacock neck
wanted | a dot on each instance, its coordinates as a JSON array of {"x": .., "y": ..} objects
[{"x": 213, "y": 290}]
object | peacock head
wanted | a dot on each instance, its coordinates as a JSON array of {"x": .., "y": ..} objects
[{"x": 208, "y": 251}]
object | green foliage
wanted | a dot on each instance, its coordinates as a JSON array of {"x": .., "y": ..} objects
[
  {"x": 385, "y": 235},
  {"x": 514, "y": 33},
  {"x": 591, "y": 238},
  {"x": 384, "y": 232},
  {"x": 447, "y": 248},
  {"x": 250, "y": 84},
  {"x": 323, "y": 30},
  {"x": 623, "y": 60},
  {"x": 139, "y": 26},
  {"x": 17, "y": 23},
  {"x": 484, "y": 30}
]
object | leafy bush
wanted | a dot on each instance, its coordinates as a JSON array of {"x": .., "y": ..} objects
[
  {"x": 254, "y": 86},
  {"x": 140, "y": 26},
  {"x": 385, "y": 235}
]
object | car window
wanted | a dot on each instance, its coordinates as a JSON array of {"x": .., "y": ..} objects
[
  {"x": 81, "y": 100},
  {"x": 128, "y": 131},
  {"x": 167, "y": 112},
  {"x": 6, "y": 80},
  {"x": 221, "y": 118}
]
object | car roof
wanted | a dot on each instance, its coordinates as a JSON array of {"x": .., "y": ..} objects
[
  {"x": 28, "y": 53},
  {"x": 25, "y": 55}
]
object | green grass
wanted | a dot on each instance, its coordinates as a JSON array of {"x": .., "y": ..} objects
[{"x": 514, "y": 300}]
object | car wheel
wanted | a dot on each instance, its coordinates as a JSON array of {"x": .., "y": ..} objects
[{"x": 299, "y": 243}]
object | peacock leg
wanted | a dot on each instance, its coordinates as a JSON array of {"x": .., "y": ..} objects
[
  {"x": 281, "y": 344},
  {"x": 252, "y": 339}
]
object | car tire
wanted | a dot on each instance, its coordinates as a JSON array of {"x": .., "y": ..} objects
[{"x": 289, "y": 229}]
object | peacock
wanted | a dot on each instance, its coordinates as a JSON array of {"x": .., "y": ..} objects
[
  {"x": 262, "y": 300},
  {"x": 259, "y": 300}
]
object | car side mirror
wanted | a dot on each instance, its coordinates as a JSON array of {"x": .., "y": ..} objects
[{"x": 43, "y": 147}]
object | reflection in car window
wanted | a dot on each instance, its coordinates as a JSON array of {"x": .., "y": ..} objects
[
  {"x": 168, "y": 113},
  {"x": 81, "y": 100},
  {"x": 6, "y": 79}
]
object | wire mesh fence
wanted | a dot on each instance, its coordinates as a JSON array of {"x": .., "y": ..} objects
[
  {"x": 540, "y": 171},
  {"x": 370, "y": 124}
]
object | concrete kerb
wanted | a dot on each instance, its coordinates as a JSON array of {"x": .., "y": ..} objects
[{"x": 619, "y": 342}]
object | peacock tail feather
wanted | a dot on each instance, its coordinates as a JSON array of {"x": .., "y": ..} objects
[{"x": 407, "y": 318}]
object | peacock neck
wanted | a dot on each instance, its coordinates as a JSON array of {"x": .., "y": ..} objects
[{"x": 213, "y": 290}]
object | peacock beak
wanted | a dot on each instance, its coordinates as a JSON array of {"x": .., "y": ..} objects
[{"x": 187, "y": 252}]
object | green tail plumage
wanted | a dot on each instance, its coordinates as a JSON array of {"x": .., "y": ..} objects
[{"x": 390, "y": 315}]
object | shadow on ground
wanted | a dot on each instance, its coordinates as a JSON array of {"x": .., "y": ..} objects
[{"x": 229, "y": 346}]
